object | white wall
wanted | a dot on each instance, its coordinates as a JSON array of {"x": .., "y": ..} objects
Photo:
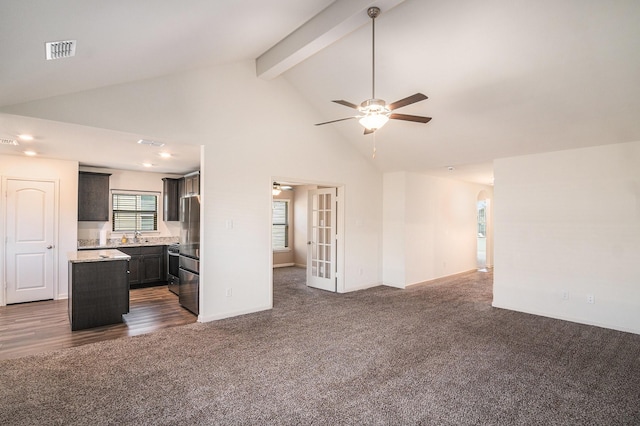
[
  {"x": 430, "y": 227},
  {"x": 569, "y": 223},
  {"x": 65, "y": 173},
  {"x": 238, "y": 120},
  {"x": 132, "y": 181},
  {"x": 394, "y": 270}
]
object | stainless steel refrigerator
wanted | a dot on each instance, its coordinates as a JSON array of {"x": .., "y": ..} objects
[{"x": 190, "y": 253}]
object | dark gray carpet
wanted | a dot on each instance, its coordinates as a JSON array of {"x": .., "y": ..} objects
[{"x": 434, "y": 354}]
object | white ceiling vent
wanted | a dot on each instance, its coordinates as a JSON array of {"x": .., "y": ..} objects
[
  {"x": 148, "y": 142},
  {"x": 8, "y": 142},
  {"x": 60, "y": 49}
]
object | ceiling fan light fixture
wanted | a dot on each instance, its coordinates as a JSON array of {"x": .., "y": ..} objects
[{"x": 374, "y": 120}]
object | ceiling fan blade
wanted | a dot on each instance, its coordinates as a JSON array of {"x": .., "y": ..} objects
[
  {"x": 368, "y": 131},
  {"x": 407, "y": 101},
  {"x": 406, "y": 117},
  {"x": 346, "y": 103},
  {"x": 334, "y": 121}
]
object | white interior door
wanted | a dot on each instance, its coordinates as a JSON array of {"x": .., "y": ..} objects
[
  {"x": 321, "y": 239},
  {"x": 30, "y": 220}
]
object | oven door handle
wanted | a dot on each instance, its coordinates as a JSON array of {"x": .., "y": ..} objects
[{"x": 173, "y": 254}]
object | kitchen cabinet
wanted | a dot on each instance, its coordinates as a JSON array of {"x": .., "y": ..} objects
[
  {"x": 192, "y": 184},
  {"x": 98, "y": 289},
  {"x": 171, "y": 199},
  {"x": 147, "y": 265},
  {"x": 93, "y": 196}
]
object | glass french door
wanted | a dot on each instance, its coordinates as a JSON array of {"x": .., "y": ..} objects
[{"x": 321, "y": 242}]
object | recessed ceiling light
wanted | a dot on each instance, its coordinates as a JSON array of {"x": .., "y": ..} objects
[
  {"x": 25, "y": 137},
  {"x": 30, "y": 153},
  {"x": 165, "y": 155},
  {"x": 147, "y": 164},
  {"x": 451, "y": 168}
]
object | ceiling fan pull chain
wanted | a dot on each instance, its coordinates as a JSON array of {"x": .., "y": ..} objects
[{"x": 373, "y": 156}]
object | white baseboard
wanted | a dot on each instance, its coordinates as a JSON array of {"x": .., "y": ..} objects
[
  {"x": 209, "y": 318},
  {"x": 444, "y": 276},
  {"x": 283, "y": 265}
]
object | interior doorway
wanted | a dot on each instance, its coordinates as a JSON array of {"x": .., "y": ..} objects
[
  {"x": 481, "y": 237},
  {"x": 310, "y": 241},
  {"x": 483, "y": 232}
]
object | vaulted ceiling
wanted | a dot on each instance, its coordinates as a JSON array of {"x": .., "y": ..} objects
[{"x": 504, "y": 78}]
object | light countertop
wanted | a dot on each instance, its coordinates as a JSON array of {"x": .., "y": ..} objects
[
  {"x": 131, "y": 242},
  {"x": 96, "y": 256}
]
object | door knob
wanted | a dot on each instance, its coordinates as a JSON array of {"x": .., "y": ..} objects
[
  {"x": 49, "y": 247},
  {"x": 308, "y": 243}
]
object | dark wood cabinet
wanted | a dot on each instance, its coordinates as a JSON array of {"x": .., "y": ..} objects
[
  {"x": 181, "y": 192},
  {"x": 98, "y": 293},
  {"x": 93, "y": 197},
  {"x": 134, "y": 268},
  {"x": 171, "y": 199},
  {"x": 146, "y": 265},
  {"x": 192, "y": 184}
]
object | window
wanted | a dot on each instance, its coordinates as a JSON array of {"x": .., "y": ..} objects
[
  {"x": 280, "y": 227},
  {"x": 135, "y": 212}
]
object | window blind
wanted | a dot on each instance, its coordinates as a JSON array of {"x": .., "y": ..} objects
[
  {"x": 280, "y": 226},
  {"x": 135, "y": 212}
]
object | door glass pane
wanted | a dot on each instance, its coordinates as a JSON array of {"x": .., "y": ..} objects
[
  {"x": 314, "y": 269},
  {"x": 320, "y": 202}
]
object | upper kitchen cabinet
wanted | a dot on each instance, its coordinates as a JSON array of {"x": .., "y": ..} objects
[
  {"x": 192, "y": 184},
  {"x": 93, "y": 197},
  {"x": 171, "y": 198}
]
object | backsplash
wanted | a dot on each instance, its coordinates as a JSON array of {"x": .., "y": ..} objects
[{"x": 117, "y": 242}]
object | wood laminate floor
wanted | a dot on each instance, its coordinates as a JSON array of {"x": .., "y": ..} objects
[{"x": 30, "y": 328}]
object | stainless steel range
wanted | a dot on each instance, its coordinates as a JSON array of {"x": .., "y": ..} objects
[{"x": 173, "y": 268}]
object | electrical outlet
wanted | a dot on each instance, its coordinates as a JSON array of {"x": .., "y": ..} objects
[
  {"x": 591, "y": 299},
  {"x": 229, "y": 292}
]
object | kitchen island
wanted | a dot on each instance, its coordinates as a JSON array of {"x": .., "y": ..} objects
[{"x": 98, "y": 287}]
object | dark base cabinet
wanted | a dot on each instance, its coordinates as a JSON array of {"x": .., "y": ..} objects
[
  {"x": 98, "y": 293},
  {"x": 146, "y": 265}
]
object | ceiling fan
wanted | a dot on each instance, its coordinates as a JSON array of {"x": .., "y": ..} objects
[{"x": 374, "y": 113}]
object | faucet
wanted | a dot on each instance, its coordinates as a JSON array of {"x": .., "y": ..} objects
[{"x": 137, "y": 235}]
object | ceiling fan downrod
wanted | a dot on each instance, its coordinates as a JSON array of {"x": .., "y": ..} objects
[{"x": 373, "y": 13}]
